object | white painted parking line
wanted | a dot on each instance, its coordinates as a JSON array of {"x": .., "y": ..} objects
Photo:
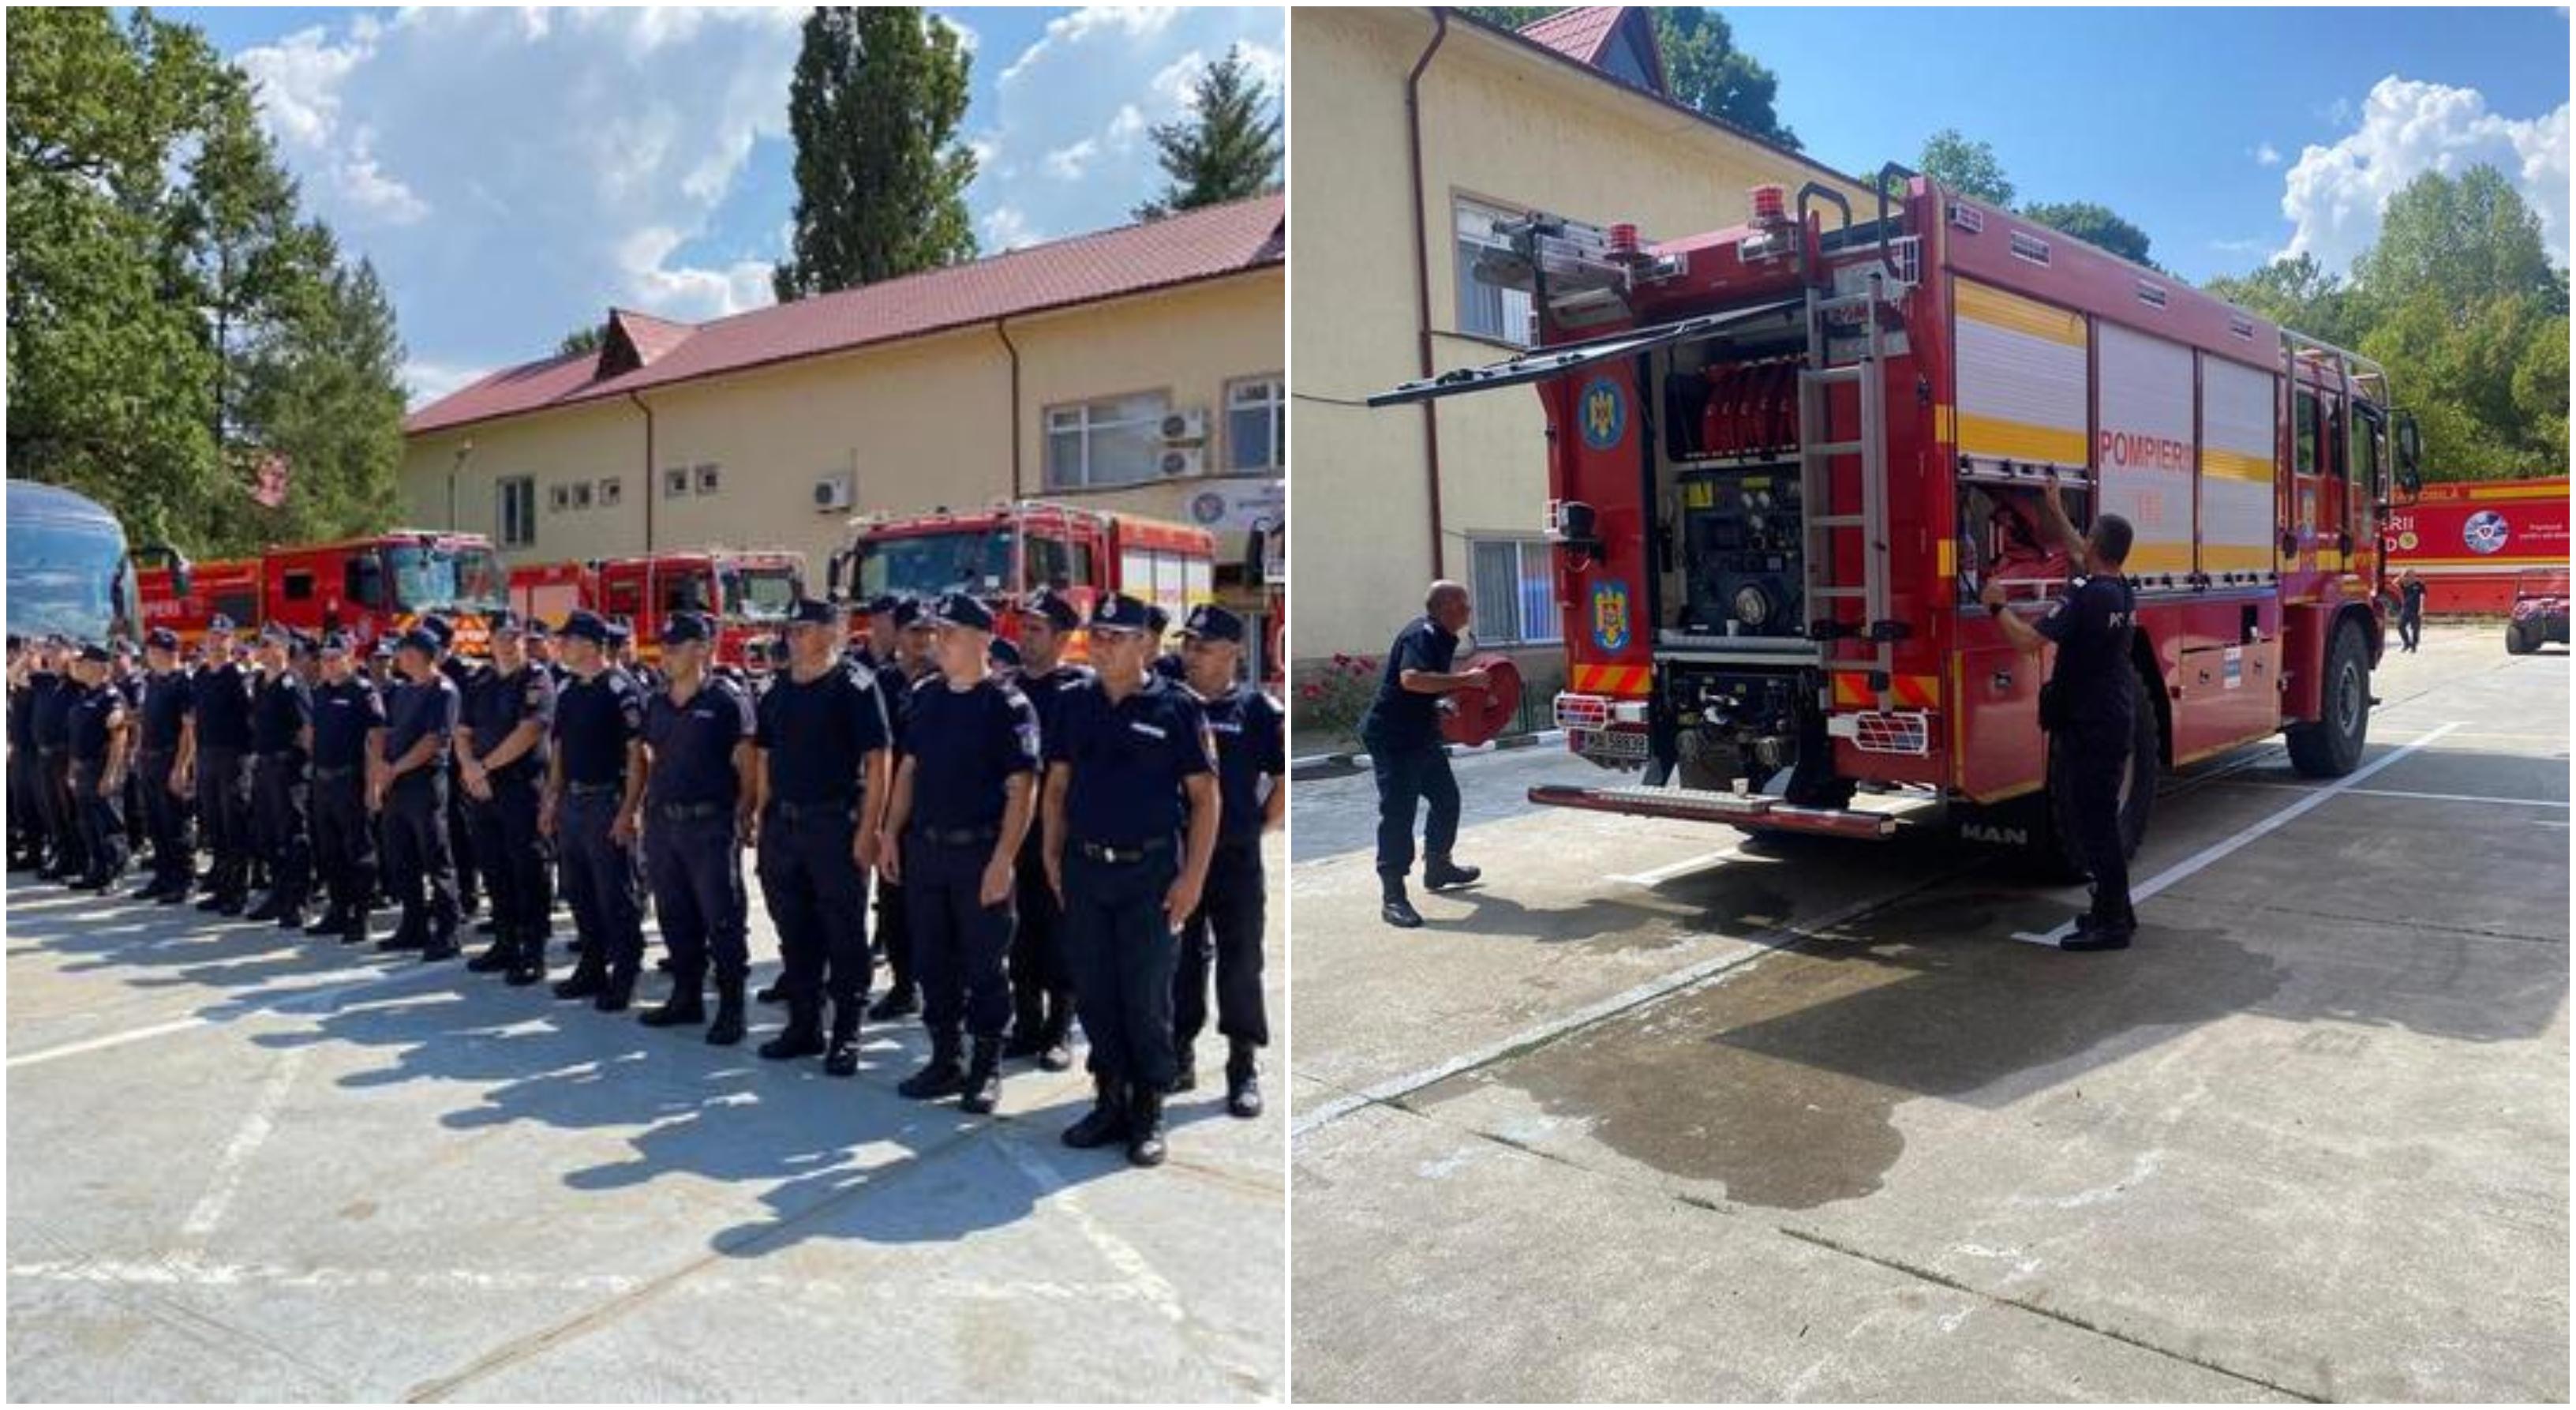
[
  {"x": 1659, "y": 875},
  {"x": 2429, "y": 797},
  {"x": 2219, "y": 851},
  {"x": 257, "y": 1124},
  {"x": 112, "y": 1040}
]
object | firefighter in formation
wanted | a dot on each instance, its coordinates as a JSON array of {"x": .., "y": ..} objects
[{"x": 1045, "y": 840}]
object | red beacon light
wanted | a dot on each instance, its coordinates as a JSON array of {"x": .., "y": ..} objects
[
  {"x": 1770, "y": 237},
  {"x": 1770, "y": 205}
]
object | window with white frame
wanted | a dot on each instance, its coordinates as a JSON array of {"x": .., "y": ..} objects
[
  {"x": 1515, "y": 591},
  {"x": 1114, "y": 441},
  {"x": 515, "y": 508},
  {"x": 1486, "y": 310},
  {"x": 675, "y": 481},
  {"x": 612, "y": 491},
  {"x": 1256, "y": 423}
]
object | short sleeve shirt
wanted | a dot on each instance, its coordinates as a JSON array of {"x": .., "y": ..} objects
[
  {"x": 1129, "y": 759},
  {"x": 966, "y": 745},
  {"x": 499, "y": 704},
  {"x": 168, "y": 696},
  {"x": 818, "y": 732},
  {"x": 284, "y": 708},
  {"x": 1251, "y": 744},
  {"x": 343, "y": 713},
  {"x": 594, "y": 721},
  {"x": 2091, "y": 626},
  {"x": 52, "y": 711},
  {"x": 692, "y": 742},
  {"x": 223, "y": 707},
  {"x": 421, "y": 710},
  {"x": 87, "y": 724},
  {"x": 1408, "y": 718}
]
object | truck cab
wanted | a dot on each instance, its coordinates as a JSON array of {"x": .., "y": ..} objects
[
  {"x": 749, "y": 593},
  {"x": 1005, "y": 551}
]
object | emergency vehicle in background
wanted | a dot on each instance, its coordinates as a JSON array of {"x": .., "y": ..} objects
[
  {"x": 2473, "y": 541},
  {"x": 1006, "y": 550},
  {"x": 368, "y": 587},
  {"x": 1784, "y": 457},
  {"x": 748, "y": 592}
]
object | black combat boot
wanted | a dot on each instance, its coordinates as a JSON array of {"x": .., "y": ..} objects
[
  {"x": 265, "y": 908},
  {"x": 499, "y": 956},
  {"x": 1144, "y": 1125},
  {"x": 528, "y": 962},
  {"x": 687, "y": 1004},
  {"x": 1058, "y": 1056},
  {"x": 1185, "y": 1075},
  {"x": 983, "y": 1089},
  {"x": 1107, "y": 1120},
  {"x": 941, "y": 1076},
  {"x": 774, "y": 992},
  {"x": 440, "y": 943},
  {"x": 335, "y": 919},
  {"x": 619, "y": 990},
  {"x": 727, "y": 1030},
  {"x": 901, "y": 1000},
  {"x": 803, "y": 1035},
  {"x": 291, "y": 916},
  {"x": 353, "y": 927},
  {"x": 410, "y": 933},
  {"x": 588, "y": 978},
  {"x": 1440, "y": 873},
  {"x": 1242, "y": 1081},
  {"x": 843, "y": 1058}
]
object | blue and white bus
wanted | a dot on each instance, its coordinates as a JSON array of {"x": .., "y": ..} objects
[{"x": 68, "y": 569}]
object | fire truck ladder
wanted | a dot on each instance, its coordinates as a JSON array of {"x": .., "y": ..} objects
[{"x": 1816, "y": 454}]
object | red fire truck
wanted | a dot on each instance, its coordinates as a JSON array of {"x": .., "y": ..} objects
[
  {"x": 1000, "y": 552},
  {"x": 1784, "y": 457},
  {"x": 2473, "y": 541},
  {"x": 748, "y": 592},
  {"x": 368, "y": 587}
]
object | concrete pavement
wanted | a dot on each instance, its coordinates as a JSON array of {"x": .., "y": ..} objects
[
  {"x": 1657, "y": 1111},
  {"x": 251, "y": 1166}
]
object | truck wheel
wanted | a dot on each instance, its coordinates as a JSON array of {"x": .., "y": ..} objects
[
  {"x": 2331, "y": 746},
  {"x": 2516, "y": 641},
  {"x": 2054, "y": 846}
]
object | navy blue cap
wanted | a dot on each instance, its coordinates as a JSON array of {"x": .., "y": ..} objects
[
  {"x": 883, "y": 603},
  {"x": 219, "y": 623},
  {"x": 960, "y": 609},
  {"x": 810, "y": 612},
  {"x": 1156, "y": 619},
  {"x": 161, "y": 637},
  {"x": 277, "y": 632},
  {"x": 1003, "y": 653},
  {"x": 534, "y": 628},
  {"x": 384, "y": 648},
  {"x": 586, "y": 626},
  {"x": 1117, "y": 612},
  {"x": 682, "y": 628},
  {"x": 908, "y": 613},
  {"x": 1052, "y": 605},
  {"x": 122, "y": 646},
  {"x": 620, "y": 630},
  {"x": 1210, "y": 622},
  {"x": 336, "y": 644},
  {"x": 443, "y": 630},
  {"x": 420, "y": 639},
  {"x": 504, "y": 622},
  {"x": 93, "y": 652}
]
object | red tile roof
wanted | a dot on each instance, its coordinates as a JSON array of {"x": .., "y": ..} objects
[
  {"x": 1580, "y": 35},
  {"x": 1133, "y": 259}
]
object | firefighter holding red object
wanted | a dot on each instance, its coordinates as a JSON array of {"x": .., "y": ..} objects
[
  {"x": 2089, "y": 705},
  {"x": 1402, "y": 731}
]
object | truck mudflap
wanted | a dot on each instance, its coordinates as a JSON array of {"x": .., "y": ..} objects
[{"x": 1739, "y": 809}]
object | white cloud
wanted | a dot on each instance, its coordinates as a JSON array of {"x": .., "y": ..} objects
[
  {"x": 426, "y": 382},
  {"x": 2334, "y": 195},
  {"x": 1126, "y": 127},
  {"x": 1006, "y": 228},
  {"x": 1066, "y": 163},
  {"x": 967, "y": 38},
  {"x": 2265, "y": 154},
  {"x": 1130, "y": 22}
]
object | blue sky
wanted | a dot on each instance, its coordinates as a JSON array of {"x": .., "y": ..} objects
[
  {"x": 2166, "y": 115},
  {"x": 514, "y": 173}
]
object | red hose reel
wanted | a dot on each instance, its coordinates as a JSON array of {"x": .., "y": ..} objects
[{"x": 1476, "y": 716}]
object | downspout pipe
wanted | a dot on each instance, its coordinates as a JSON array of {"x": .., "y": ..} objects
[
  {"x": 652, "y": 485},
  {"x": 1002, "y": 330},
  {"x": 1422, "y": 277}
]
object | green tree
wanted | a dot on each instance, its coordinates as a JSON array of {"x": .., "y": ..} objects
[
  {"x": 880, "y": 175},
  {"x": 2297, "y": 293},
  {"x": 1969, "y": 168},
  {"x": 1227, "y": 149},
  {"x": 2469, "y": 239},
  {"x": 1702, "y": 66},
  {"x": 585, "y": 339},
  {"x": 2094, "y": 224},
  {"x": 323, "y": 389}
]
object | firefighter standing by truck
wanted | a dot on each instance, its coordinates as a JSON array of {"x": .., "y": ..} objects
[
  {"x": 1402, "y": 731},
  {"x": 501, "y": 761},
  {"x": 895, "y": 678},
  {"x": 1225, "y": 932},
  {"x": 2088, "y": 705},
  {"x": 410, "y": 790},
  {"x": 593, "y": 791},
  {"x": 164, "y": 744},
  {"x": 67, "y": 859},
  {"x": 1042, "y": 993},
  {"x": 280, "y": 719},
  {"x": 348, "y": 731},
  {"x": 698, "y": 792},
  {"x": 222, "y": 768},
  {"x": 96, "y": 738}
]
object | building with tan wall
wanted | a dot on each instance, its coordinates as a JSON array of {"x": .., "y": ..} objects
[
  {"x": 1047, "y": 372},
  {"x": 1568, "y": 116}
]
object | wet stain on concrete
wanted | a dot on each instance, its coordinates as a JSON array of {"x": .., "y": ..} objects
[{"x": 1779, "y": 1085}]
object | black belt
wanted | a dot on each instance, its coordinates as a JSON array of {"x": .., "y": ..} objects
[
  {"x": 958, "y": 836},
  {"x": 586, "y": 790},
  {"x": 324, "y": 773},
  {"x": 838, "y": 809},
  {"x": 1121, "y": 856},
  {"x": 691, "y": 812}
]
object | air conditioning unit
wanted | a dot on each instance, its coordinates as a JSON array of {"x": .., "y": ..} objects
[
  {"x": 1185, "y": 427},
  {"x": 832, "y": 493},
  {"x": 1183, "y": 460}
]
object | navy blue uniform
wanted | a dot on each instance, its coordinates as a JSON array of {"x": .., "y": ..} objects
[
  {"x": 168, "y": 697},
  {"x": 279, "y": 788},
  {"x": 26, "y": 813},
  {"x": 1225, "y": 932},
  {"x": 894, "y": 918},
  {"x": 515, "y": 858},
  {"x": 50, "y": 725},
  {"x": 420, "y": 872},
  {"x": 223, "y": 696},
  {"x": 1402, "y": 731},
  {"x": 344, "y": 832},
  {"x": 2093, "y": 693},
  {"x": 964, "y": 747},
  {"x": 462, "y": 674},
  {"x": 88, "y": 724},
  {"x": 816, "y": 736},
  {"x": 1041, "y": 974},
  {"x": 1123, "y": 812},
  {"x": 692, "y": 837},
  {"x": 595, "y": 720}
]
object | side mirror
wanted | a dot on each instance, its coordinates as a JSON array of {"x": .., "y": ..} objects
[
  {"x": 1256, "y": 546},
  {"x": 2410, "y": 455},
  {"x": 183, "y": 574},
  {"x": 832, "y": 574}
]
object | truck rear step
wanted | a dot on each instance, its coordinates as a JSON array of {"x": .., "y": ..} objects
[{"x": 1741, "y": 809}]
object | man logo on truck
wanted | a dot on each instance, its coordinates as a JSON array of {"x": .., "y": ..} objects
[{"x": 1605, "y": 414}]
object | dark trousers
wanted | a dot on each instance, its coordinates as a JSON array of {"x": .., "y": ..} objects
[
  {"x": 278, "y": 802},
  {"x": 516, "y": 868},
  {"x": 1224, "y": 933},
  {"x": 223, "y": 814},
  {"x": 958, "y": 942},
  {"x": 102, "y": 819},
  {"x": 165, "y": 821},
  {"x": 1039, "y": 968},
  {"x": 344, "y": 841},
  {"x": 599, "y": 881},
  {"x": 2095, "y": 760},
  {"x": 1123, "y": 955},
  {"x": 1408, "y": 775},
  {"x": 2410, "y": 630},
  {"x": 817, "y": 898},
  {"x": 26, "y": 813},
  {"x": 696, "y": 866},
  {"x": 64, "y": 833},
  {"x": 418, "y": 871},
  {"x": 470, "y": 870}
]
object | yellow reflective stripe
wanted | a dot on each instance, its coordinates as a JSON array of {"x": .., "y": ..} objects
[
  {"x": 1998, "y": 309},
  {"x": 2231, "y": 558},
  {"x": 1945, "y": 424},
  {"x": 2235, "y": 465},
  {"x": 2015, "y": 440},
  {"x": 1948, "y": 556}
]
